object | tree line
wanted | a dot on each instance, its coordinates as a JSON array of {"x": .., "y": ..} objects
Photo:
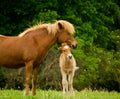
[{"x": 97, "y": 26}]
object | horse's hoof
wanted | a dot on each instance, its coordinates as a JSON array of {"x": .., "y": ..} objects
[{"x": 34, "y": 93}]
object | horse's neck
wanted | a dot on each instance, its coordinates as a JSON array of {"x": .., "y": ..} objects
[{"x": 46, "y": 40}]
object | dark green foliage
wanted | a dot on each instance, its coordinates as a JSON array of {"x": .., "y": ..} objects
[
  {"x": 2, "y": 78},
  {"x": 97, "y": 25},
  {"x": 11, "y": 78}
]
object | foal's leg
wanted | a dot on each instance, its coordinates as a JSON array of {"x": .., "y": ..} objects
[
  {"x": 64, "y": 82},
  {"x": 70, "y": 82},
  {"x": 29, "y": 67},
  {"x": 34, "y": 79}
]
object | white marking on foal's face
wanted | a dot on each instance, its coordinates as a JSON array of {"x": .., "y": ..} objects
[{"x": 66, "y": 47}]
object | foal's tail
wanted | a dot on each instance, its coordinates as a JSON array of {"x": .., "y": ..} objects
[{"x": 76, "y": 68}]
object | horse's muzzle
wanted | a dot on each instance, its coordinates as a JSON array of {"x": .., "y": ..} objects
[{"x": 74, "y": 46}]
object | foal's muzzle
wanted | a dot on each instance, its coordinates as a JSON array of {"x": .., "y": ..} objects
[{"x": 70, "y": 56}]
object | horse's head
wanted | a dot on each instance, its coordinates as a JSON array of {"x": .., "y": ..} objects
[
  {"x": 65, "y": 33},
  {"x": 66, "y": 50}
]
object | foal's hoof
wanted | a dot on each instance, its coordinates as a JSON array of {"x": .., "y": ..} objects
[
  {"x": 25, "y": 93},
  {"x": 72, "y": 93}
]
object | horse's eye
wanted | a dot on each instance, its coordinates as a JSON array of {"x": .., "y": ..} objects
[{"x": 70, "y": 34}]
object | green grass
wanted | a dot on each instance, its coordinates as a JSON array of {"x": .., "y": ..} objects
[{"x": 51, "y": 94}]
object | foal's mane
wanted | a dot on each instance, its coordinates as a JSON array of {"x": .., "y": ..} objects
[{"x": 51, "y": 28}]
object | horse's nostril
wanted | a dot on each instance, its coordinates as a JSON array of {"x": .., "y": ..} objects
[{"x": 74, "y": 46}]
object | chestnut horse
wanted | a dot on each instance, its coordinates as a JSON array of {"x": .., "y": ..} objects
[{"x": 30, "y": 47}]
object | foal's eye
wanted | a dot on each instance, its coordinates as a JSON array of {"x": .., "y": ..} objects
[{"x": 64, "y": 50}]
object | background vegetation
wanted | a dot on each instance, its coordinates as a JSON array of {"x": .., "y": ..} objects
[{"x": 97, "y": 25}]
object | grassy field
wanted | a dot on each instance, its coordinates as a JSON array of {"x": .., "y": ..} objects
[{"x": 86, "y": 94}]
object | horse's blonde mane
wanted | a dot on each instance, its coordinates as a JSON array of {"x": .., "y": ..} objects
[
  {"x": 52, "y": 28},
  {"x": 67, "y": 26}
]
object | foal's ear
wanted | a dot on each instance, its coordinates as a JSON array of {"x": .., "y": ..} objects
[
  {"x": 60, "y": 26},
  {"x": 60, "y": 48}
]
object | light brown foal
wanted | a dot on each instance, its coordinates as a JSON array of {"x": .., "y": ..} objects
[{"x": 68, "y": 67}]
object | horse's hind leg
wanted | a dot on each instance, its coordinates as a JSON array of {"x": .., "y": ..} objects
[
  {"x": 34, "y": 79},
  {"x": 29, "y": 66}
]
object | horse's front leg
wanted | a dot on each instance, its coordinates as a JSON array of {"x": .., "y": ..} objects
[
  {"x": 29, "y": 66},
  {"x": 34, "y": 80}
]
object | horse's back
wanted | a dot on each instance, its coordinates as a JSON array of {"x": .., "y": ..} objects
[
  {"x": 14, "y": 51},
  {"x": 2, "y": 37}
]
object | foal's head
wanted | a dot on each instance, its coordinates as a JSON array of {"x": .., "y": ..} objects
[
  {"x": 66, "y": 50},
  {"x": 65, "y": 33}
]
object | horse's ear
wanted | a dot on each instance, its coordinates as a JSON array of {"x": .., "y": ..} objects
[{"x": 60, "y": 26}]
